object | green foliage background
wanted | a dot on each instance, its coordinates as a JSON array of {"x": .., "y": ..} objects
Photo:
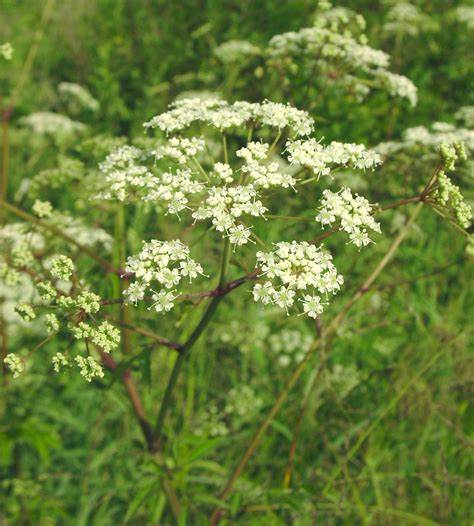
[{"x": 397, "y": 448}]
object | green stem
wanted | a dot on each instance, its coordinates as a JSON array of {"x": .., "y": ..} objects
[
  {"x": 290, "y": 218},
  {"x": 298, "y": 371},
  {"x": 121, "y": 254},
  {"x": 188, "y": 345},
  {"x": 224, "y": 146},
  {"x": 200, "y": 168},
  {"x": 225, "y": 262},
  {"x": 250, "y": 134},
  {"x": 274, "y": 143}
]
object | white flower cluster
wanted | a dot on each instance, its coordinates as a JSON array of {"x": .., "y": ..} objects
[
  {"x": 332, "y": 44},
  {"x": 404, "y": 18},
  {"x": 329, "y": 16},
  {"x": 297, "y": 271},
  {"x": 21, "y": 255},
  {"x": 399, "y": 86},
  {"x": 46, "y": 291},
  {"x": 318, "y": 158},
  {"x": 89, "y": 368},
  {"x": 242, "y": 401},
  {"x": 52, "y": 323},
  {"x": 328, "y": 45},
  {"x": 78, "y": 95},
  {"x": 15, "y": 364},
  {"x": 180, "y": 149},
  {"x": 432, "y": 138},
  {"x": 124, "y": 176},
  {"x": 465, "y": 14},
  {"x": 6, "y": 51},
  {"x": 241, "y": 406},
  {"x": 211, "y": 422},
  {"x": 262, "y": 173},
  {"x": 82, "y": 233},
  {"x": 88, "y": 302},
  {"x": 289, "y": 346},
  {"x": 25, "y": 311},
  {"x": 80, "y": 303},
  {"x": 48, "y": 123},
  {"x": 235, "y": 50},
  {"x": 183, "y": 178},
  {"x": 163, "y": 262},
  {"x": 441, "y": 132},
  {"x": 224, "y": 205},
  {"x": 59, "y": 360},
  {"x": 42, "y": 208},
  {"x": 172, "y": 187},
  {"x": 355, "y": 214},
  {"x": 223, "y": 115},
  {"x": 465, "y": 114}
]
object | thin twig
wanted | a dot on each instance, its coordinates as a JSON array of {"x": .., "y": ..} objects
[{"x": 188, "y": 345}]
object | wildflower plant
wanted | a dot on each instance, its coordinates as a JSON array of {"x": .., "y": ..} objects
[
  {"x": 332, "y": 54},
  {"x": 266, "y": 149},
  {"x": 210, "y": 185}
]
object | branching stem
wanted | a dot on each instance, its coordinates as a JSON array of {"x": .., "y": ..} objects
[{"x": 336, "y": 321}]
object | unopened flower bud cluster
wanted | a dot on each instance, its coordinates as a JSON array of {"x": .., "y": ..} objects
[
  {"x": 83, "y": 304},
  {"x": 235, "y": 51},
  {"x": 15, "y": 364},
  {"x": 447, "y": 194},
  {"x": 6, "y": 51}
]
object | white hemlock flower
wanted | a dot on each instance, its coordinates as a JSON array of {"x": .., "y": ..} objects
[
  {"x": 297, "y": 271},
  {"x": 354, "y": 212},
  {"x": 165, "y": 263}
]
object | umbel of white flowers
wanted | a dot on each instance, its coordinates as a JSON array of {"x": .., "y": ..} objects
[
  {"x": 181, "y": 174},
  {"x": 165, "y": 264},
  {"x": 297, "y": 271}
]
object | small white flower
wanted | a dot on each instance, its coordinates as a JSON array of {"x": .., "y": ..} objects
[
  {"x": 163, "y": 301},
  {"x": 239, "y": 235},
  {"x": 354, "y": 212},
  {"x": 312, "y": 306}
]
